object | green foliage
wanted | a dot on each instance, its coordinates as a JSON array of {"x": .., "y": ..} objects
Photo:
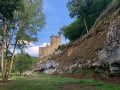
[
  {"x": 34, "y": 60},
  {"x": 105, "y": 11},
  {"x": 20, "y": 22},
  {"x": 74, "y": 71},
  {"x": 61, "y": 47},
  {"x": 82, "y": 9},
  {"x": 85, "y": 8},
  {"x": 74, "y": 30},
  {"x": 23, "y": 19},
  {"x": 30, "y": 22},
  {"x": 8, "y": 7},
  {"x": 23, "y": 62}
]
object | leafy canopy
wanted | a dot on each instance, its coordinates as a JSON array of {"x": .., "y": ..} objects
[
  {"x": 79, "y": 9},
  {"x": 23, "y": 62}
]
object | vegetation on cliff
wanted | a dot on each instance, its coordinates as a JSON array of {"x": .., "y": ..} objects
[
  {"x": 87, "y": 48},
  {"x": 86, "y": 13}
]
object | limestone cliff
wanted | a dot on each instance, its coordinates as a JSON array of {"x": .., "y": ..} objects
[
  {"x": 101, "y": 45},
  {"x": 111, "y": 51}
]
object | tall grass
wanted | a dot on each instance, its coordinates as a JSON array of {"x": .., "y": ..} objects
[{"x": 102, "y": 15}]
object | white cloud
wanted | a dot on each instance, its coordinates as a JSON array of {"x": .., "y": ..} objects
[
  {"x": 44, "y": 44},
  {"x": 34, "y": 50}
]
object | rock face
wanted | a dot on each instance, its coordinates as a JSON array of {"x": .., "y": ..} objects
[
  {"x": 49, "y": 67},
  {"x": 113, "y": 42},
  {"x": 111, "y": 52},
  {"x": 100, "y": 48}
]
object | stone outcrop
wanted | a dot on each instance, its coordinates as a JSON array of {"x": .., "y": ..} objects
[
  {"x": 109, "y": 55},
  {"x": 49, "y": 67},
  {"x": 111, "y": 52},
  {"x": 98, "y": 50}
]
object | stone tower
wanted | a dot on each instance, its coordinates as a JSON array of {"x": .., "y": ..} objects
[{"x": 55, "y": 41}]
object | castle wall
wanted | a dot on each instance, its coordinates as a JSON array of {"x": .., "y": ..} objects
[{"x": 55, "y": 41}]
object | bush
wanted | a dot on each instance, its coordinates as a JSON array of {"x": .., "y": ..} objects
[{"x": 61, "y": 47}]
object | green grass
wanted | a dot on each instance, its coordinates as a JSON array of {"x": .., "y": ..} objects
[{"x": 47, "y": 82}]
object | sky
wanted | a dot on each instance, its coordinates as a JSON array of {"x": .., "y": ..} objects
[{"x": 57, "y": 15}]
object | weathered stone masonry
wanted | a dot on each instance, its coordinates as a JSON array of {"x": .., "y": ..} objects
[{"x": 55, "y": 41}]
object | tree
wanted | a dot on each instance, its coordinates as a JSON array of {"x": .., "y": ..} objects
[
  {"x": 23, "y": 62},
  {"x": 0, "y": 45},
  {"x": 29, "y": 22},
  {"x": 74, "y": 30},
  {"x": 22, "y": 27},
  {"x": 86, "y": 13},
  {"x": 87, "y": 10},
  {"x": 79, "y": 8},
  {"x": 0, "y": 49},
  {"x": 6, "y": 16}
]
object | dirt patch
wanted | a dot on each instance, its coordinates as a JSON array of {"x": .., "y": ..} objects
[{"x": 72, "y": 86}]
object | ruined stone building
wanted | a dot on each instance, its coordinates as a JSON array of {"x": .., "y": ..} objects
[{"x": 55, "y": 41}]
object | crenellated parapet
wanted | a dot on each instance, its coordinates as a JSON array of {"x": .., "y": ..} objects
[{"x": 55, "y": 41}]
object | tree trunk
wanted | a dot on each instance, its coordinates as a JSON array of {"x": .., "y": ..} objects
[
  {"x": 6, "y": 58},
  {"x": 13, "y": 53},
  {"x": 2, "y": 54},
  {"x": 2, "y": 59},
  {"x": 5, "y": 66},
  {"x": 12, "y": 60},
  {"x": 20, "y": 73},
  {"x": 5, "y": 25},
  {"x": 85, "y": 25}
]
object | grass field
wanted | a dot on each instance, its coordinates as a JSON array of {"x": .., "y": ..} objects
[{"x": 47, "y": 82}]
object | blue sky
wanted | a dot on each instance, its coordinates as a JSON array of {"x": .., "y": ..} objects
[{"x": 57, "y": 15}]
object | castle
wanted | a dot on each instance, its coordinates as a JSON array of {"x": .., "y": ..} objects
[{"x": 55, "y": 41}]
